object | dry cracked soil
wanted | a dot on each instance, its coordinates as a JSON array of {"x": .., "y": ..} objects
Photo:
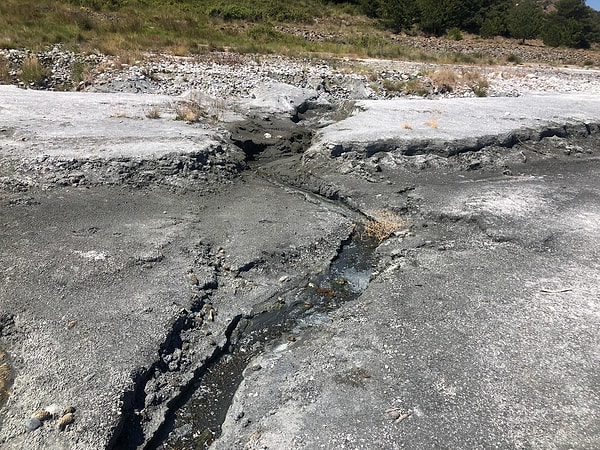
[{"x": 299, "y": 273}]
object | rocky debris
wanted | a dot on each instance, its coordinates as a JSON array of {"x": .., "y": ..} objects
[
  {"x": 230, "y": 76},
  {"x": 498, "y": 50},
  {"x": 502, "y": 50}
]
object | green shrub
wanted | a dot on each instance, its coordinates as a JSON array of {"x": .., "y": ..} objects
[
  {"x": 264, "y": 32},
  {"x": 235, "y": 12},
  {"x": 80, "y": 71},
  {"x": 515, "y": 59},
  {"x": 454, "y": 34},
  {"x": 416, "y": 87},
  {"x": 394, "y": 86}
]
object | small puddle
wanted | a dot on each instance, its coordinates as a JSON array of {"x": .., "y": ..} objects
[{"x": 198, "y": 422}]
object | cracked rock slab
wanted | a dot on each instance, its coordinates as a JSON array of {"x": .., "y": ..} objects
[{"x": 449, "y": 126}]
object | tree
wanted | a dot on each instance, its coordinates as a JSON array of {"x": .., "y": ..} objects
[
  {"x": 437, "y": 16},
  {"x": 571, "y": 25},
  {"x": 492, "y": 18},
  {"x": 400, "y": 14},
  {"x": 524, "y": 20}
]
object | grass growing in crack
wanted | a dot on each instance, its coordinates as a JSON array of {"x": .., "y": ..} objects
[
  {"x": 382, "y": 225},
  {"x": 4, "y": 378}
]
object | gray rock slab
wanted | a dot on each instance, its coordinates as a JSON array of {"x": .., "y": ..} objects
[
  {"x": 447, "y": 126},
  {"x": 78, "y": 125},
  {"x": 277, "y": 99}
]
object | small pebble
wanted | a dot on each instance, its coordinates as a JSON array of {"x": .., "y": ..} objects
[
  {"x": 41, "y": 415},
  {"x": 65, "y": 420},
  {"x": 32, "y": 424}
]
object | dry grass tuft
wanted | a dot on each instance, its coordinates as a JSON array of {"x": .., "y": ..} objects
[
  {"x": 120, "y": 115},
  {"x": 433, "y": 123},
  {"x": 477, "y": 82},
  {"x": 406, "y": 126},
  {"x": 33, "y": 72},
  {"x": 382, "y": 225},
  {"x": 153, "y": 113},
  {"x": 189, "y": 111},
  {"x": 5, "y": 77},
  {"x": 445, "y": 80}
]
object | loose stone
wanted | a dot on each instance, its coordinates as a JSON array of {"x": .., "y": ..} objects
[
  {"x": 65, "y": 420},
  {"x": 41, "y": 415},
  {"x": 32, "y": 424}
]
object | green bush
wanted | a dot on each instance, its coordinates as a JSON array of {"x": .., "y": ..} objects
[
  {"x": 234, "y": 12},
  {"x": 454, "y": 34},
  {"x": 515, "y": 59},
  {"x": 263, "y": 32}
]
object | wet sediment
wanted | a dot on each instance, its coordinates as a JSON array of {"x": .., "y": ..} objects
[{"x": 197, "y": 421}]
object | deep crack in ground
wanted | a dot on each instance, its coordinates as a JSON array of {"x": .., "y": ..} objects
[
  {"x": 197, "y": 422},
  {"x": 194, "y": 415}
]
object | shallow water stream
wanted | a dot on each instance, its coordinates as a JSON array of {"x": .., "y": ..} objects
[{"x": 198, "y": 421}]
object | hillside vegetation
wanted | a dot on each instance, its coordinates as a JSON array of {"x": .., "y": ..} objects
[
  {"x": 358, "y": 26},
  {"x": 559, "y": 23}
]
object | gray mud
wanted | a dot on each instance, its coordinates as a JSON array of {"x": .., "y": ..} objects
[{"x": 139, "y": 254}]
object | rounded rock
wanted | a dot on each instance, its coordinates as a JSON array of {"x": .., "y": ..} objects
[
  {"x": 32, "y": 424},
  {"x": 41, "y": 415},
  {"x": 65, "y": 420}
]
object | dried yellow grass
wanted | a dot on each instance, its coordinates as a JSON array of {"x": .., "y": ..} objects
[
  {"x": 445, "y": 80},
  {"x": 4, "y": 378},
  {"x": 153, "y": 113},
  {"x": 382, "y": 225},
  {"x": 189, "y": 112},
  {"x": 433, "y": 123}
]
